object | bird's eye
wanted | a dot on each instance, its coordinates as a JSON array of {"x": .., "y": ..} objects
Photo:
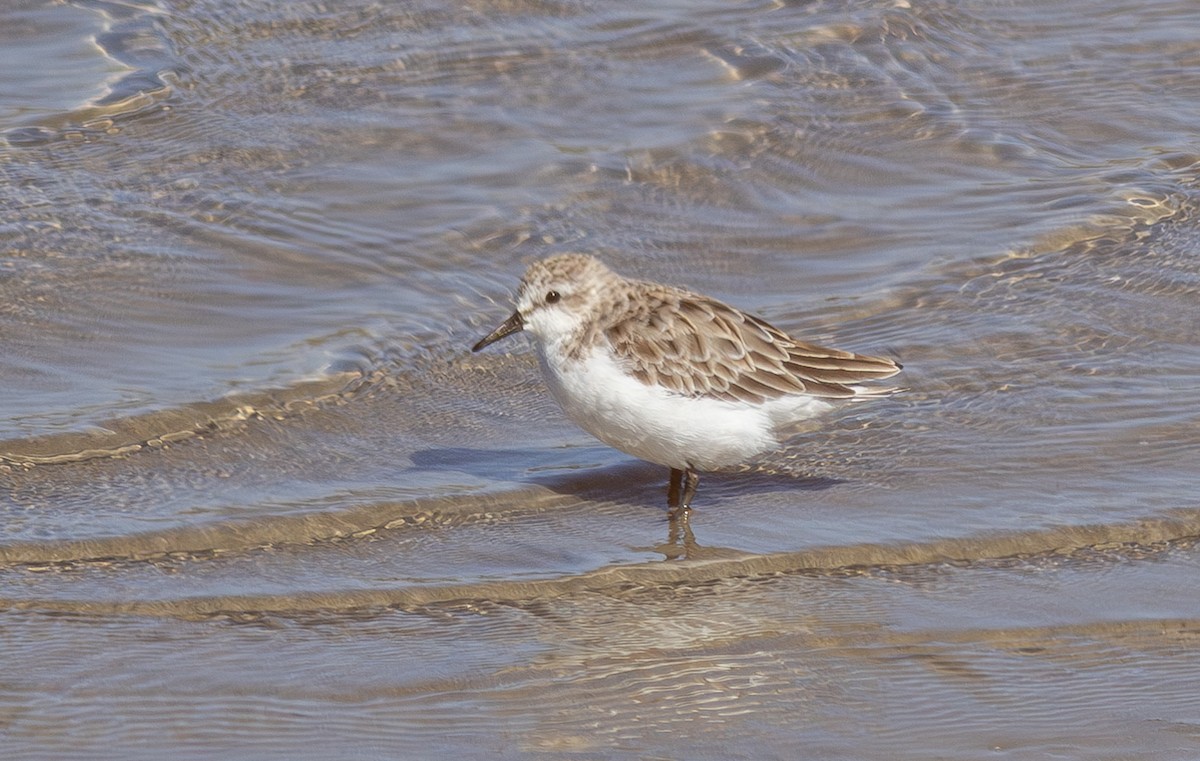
[{"x": 553, "y": 297}]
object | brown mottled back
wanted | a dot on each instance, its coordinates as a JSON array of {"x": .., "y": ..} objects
[{"x": 697, "y": 346}]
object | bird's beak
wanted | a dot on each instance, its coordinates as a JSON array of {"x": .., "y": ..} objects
[{"x": 514, "y": 324}]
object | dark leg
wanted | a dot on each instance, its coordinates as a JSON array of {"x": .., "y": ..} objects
[
  {"x": 691, "y": 479},
  {"x": 673, "y": 489},
  {"x": 682, "y": 490}
]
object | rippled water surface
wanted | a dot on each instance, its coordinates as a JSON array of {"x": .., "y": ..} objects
[{"x": 258, "y": 499}]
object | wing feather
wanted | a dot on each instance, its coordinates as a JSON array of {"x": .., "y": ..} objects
[{"x": 697, "y": 346}]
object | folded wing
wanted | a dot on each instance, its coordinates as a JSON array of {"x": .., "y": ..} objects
[{"x": 697, "y": 346}]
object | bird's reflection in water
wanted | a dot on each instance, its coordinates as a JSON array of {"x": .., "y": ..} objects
[{"x": 681, "y": 542}]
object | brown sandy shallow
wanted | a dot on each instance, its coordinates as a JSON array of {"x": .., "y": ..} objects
[{"x": 258, "y": 499}]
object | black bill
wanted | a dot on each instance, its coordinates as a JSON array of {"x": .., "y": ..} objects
[{"x": 514, "y": 324}]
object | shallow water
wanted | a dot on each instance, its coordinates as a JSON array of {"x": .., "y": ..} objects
[{"x": 259, "y": 498}]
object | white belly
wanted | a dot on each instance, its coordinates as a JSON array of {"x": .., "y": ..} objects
[{"x": 669, "y": 429}]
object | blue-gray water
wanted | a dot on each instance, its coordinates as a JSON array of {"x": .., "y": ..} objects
[{"x": 258, "y": 499}]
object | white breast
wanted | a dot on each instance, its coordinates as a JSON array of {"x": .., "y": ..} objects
[{"x": 662, "y": 427}]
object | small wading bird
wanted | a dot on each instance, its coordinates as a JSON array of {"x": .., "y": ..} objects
[{"x": 674, "y": 377}]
